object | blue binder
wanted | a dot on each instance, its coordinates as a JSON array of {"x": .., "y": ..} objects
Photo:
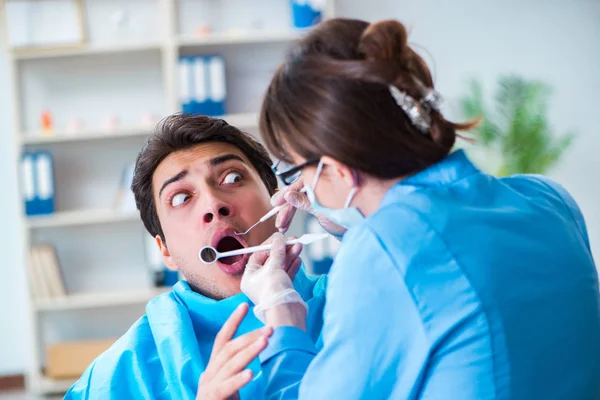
[
  {"x": 185, "y": 84},
  {"x": 199, "y": 88},
  {"x": 202, "y": 85},
  {"x": 217, "y": 93},
  {"x": 37, "y": 169},
  {"x": 28, "y": 184}
]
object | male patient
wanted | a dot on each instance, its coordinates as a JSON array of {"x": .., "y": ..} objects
[{"x": 197, "y": 181}]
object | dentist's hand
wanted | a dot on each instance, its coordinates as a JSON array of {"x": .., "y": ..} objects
[
  {"x": 296, "y": 200},
  {"x": 267, "y": 279}
]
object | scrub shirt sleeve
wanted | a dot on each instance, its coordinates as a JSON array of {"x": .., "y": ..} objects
[
  {"x": 373, "y": 336},
  {"x": 569, "y": 202}
]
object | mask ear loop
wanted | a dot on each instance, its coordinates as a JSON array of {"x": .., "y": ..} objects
[
  {"x": 352, "y": 192},
  {"x": 350, "y": 197},
  {"x": 317, "y": 174}
]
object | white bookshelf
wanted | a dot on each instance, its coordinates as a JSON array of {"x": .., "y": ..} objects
[
  {"x": 83, "y": 135},
  {"x": 238, "y": 38},
  {"x": 80, "y": 217},
  {"x": 83, "y": 50},
  {"x": 81, "y": 301},
  {"x": 143, "y": 77},
  {"x": 241, "y": 120}
]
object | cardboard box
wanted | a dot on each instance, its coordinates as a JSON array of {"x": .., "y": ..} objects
[{"x": 70, "y": 359}]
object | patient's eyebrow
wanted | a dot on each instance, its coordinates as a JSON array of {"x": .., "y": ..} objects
[
  {"x": 173, "y": 179},
  {"x": 224, "y": 158}
]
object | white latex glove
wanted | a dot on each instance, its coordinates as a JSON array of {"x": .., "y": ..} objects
[
  {"x": 266, "y": 280},
  {"x": 297, "y": 200}
]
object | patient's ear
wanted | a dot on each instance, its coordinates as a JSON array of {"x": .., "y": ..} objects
[{"x": 164, "y": 251}]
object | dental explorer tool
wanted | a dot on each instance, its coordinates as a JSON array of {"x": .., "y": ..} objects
[{"x": 267, "y": 216}]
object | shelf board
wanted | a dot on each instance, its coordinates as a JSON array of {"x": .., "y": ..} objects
[
  {"x": 239, "y": 120},
  {"x": 80, "y": 217},
  {"x": 55, "y": 386},
  {"x": 238, "y": 38},
  {"x": 79, "y": 301},
  {"x": 63, "y": 137},
  {"x": 84, "y": 50},
  {"x": 242, "y": 120}
]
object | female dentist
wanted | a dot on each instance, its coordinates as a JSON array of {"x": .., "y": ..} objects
[{"x": 449, "y": 283}]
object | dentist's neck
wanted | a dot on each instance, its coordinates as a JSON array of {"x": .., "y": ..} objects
[{"x": 371, "y": 192}]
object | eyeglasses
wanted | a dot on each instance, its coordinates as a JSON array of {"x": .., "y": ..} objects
[{"x": 289, "y": 173}]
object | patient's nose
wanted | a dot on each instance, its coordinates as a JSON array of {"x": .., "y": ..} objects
[{"x": 222, "y": 211}]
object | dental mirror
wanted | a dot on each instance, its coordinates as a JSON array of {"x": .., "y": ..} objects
[{"x": 209, "y": 255}]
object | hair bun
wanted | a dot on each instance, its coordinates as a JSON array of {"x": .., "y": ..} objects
[{"x": 385, "y": 40}]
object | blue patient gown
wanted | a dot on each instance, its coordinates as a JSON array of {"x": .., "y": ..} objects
[
  {"x": 460, "y": 286},
  {"x": 164, "y": 353}
]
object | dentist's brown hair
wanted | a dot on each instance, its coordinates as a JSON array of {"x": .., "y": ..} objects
[{"x": 331, "y": 97}]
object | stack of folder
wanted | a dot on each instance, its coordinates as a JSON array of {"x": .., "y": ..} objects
[
  {"x": 37, "y": 172},
  {"x": 202, "y": 85}
]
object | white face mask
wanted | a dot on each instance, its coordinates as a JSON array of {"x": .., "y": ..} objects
[{"x": 346, "y": 217}]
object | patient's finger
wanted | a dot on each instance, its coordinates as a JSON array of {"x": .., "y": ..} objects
[
  {"x": 230, "y": 327},
  {"x": 242, "y": 358},
  {"x": 232, "y": 385},
  {"x": 238, "y": 344}
]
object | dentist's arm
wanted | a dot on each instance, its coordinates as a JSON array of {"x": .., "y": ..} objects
[
  {"x": 373, "y": 337},
  {"x": 264, "y": 280}
]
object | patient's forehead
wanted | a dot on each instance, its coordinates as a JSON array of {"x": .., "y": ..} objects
[
  {"x": 203, "y": 152},
  {"x": 197, "y": 157}
]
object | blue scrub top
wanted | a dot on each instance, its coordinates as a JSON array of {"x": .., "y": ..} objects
[{"x": 460, "y": 286}]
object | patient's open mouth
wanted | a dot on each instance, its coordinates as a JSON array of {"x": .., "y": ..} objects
[{"x": 229, "y": 243}]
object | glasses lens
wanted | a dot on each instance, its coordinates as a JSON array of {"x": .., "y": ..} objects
[
  {"x": 286, "y": 172},
  {"x": 288, "y": 179}
]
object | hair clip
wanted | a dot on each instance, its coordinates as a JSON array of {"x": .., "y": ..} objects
[
  {"x": 429, "y": 96},
  {"x": 432, "y": 99},
  {"x": 416, "y": 111}
]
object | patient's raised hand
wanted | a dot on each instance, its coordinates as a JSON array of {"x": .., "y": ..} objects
[{"x": 225, "y": 374}]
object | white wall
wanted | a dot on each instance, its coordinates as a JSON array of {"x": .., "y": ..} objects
[{"x": 553, "y": 40}]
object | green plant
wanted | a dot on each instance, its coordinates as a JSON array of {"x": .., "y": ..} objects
[{"x": 518, "y": 128}]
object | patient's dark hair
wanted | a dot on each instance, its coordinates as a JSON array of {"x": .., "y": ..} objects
[
  {"x": 331, "y": 97},
  {"x": 181, "y": 132}
]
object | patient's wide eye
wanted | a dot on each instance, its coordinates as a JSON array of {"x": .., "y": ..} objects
[
  {"x": 233, "y": 177},
  {"x": 179, "y": 199}
]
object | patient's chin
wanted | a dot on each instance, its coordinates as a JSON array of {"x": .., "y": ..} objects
[
  {"x": 217, "y": 291},
  {"x": 210, "y": 281}
]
